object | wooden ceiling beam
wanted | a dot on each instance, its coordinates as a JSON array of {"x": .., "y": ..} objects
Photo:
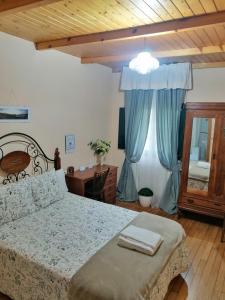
[
  {"x": 158, "y": 54},
  {"x": 144, "y": 30},
  {"x": 13, "y": 6},
  {"x": 219, "y": 64}
]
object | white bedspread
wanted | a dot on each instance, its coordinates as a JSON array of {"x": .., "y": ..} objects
[{"x": 44, "y": 250}]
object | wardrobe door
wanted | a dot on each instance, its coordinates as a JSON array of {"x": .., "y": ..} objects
[
  {"x": 201, "y": 149},
  {"x": 220, "y": 161}
]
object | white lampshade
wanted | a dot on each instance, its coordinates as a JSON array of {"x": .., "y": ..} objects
[{"x": 144, "y": 63}]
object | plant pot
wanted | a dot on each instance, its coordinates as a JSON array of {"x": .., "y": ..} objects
[{"x": 145, "y": 201}]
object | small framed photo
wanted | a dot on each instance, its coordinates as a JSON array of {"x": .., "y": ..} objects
[
  {"x": 70, "y": 143},
  {"x": 14, "y": 114}
]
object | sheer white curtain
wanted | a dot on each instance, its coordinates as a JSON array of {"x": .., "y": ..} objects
[{"x": 148, "y": 172}]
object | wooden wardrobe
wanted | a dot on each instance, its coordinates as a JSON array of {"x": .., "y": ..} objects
[{"x": 203, "y": 163}]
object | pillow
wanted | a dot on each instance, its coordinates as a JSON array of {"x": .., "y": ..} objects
[
  {"x": 61, "y": 179},
  {"x": 16, "y": 201},
  {"x": 46, "y": 189}
]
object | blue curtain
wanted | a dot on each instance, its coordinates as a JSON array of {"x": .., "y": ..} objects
[
  {"x": 138, "y": 105},
  {"x": 168, "y": 108}
]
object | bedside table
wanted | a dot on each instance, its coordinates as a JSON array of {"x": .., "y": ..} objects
[{"x": 76, "y": 182}]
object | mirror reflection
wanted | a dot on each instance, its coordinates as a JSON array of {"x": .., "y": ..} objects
[{"x": 200, "y": 154}]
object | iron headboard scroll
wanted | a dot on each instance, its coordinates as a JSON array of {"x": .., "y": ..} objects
[{"x": 21, "y": 156}]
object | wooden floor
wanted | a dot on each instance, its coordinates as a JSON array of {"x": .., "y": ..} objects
[{"x": 205, "y": 279}]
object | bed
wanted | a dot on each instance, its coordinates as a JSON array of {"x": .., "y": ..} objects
[{"x": 47, "y": 251}]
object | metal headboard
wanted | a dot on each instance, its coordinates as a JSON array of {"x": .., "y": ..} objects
[{"x": 26, "y": 158}]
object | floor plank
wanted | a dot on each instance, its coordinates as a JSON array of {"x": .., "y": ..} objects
[{"x": 205, "y": 279}]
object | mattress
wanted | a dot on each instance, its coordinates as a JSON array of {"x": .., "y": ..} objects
[{"x": 40, "y": 253}]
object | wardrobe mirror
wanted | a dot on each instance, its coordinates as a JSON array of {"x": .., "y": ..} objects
[{"x": 200, "y": 154}]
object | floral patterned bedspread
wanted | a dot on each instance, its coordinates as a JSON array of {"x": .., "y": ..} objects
[{"x": 41, "y": 252}]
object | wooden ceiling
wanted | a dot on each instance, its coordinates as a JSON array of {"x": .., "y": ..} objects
[{"x": 111, "y": 32}]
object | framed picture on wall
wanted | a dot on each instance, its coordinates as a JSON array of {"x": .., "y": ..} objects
[
  {"x": 70, "y": 143},
  {"x": 14, "y": 114}
]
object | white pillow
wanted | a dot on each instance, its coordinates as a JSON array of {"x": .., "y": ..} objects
[
  {"x": 46, "y": 189},
  {"x": 61, "y": 178},
  {"x": 16, "y": 201}
]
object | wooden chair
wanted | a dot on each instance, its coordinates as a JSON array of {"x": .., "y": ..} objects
[{"x": 95, "y": 188}]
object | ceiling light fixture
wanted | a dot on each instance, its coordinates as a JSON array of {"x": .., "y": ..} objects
[{"x": 144, "y": 63}]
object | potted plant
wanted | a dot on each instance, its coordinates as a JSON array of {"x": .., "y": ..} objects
[
  {"x": 145, "y": 196},
  {"x": 100, "y": 148}
]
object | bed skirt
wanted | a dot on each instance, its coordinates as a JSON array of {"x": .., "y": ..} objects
[
  {"x": 48, "y": 286},
  {"x": 177, "y": 264}
]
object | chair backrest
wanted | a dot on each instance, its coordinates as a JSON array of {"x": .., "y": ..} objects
[{"x": 99, "y": 180}]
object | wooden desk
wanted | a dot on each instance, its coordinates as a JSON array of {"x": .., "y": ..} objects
[{"x": 76, "y": 182}]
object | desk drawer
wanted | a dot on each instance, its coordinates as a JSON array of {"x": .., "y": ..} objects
[
  {"x": 110, "y": 197},
  {"x": 112, "y": 172},
  {"x": 110, "y": 188},
  {"x": 111, "y": 179}
]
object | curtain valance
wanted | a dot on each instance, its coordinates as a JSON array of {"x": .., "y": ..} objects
[{"x": 172, "y": 76}]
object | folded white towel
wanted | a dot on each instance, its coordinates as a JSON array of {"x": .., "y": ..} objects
[
  {"x": 140, "y": 239},
  {"x": 203, "y": 164}
]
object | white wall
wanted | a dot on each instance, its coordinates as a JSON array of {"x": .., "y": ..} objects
[
  {"x": 208, "y": 86},
  {"x": 67, "y": 97},
  {"x": 115, "y": 156},
  {"x": 64, "y": 96}
]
